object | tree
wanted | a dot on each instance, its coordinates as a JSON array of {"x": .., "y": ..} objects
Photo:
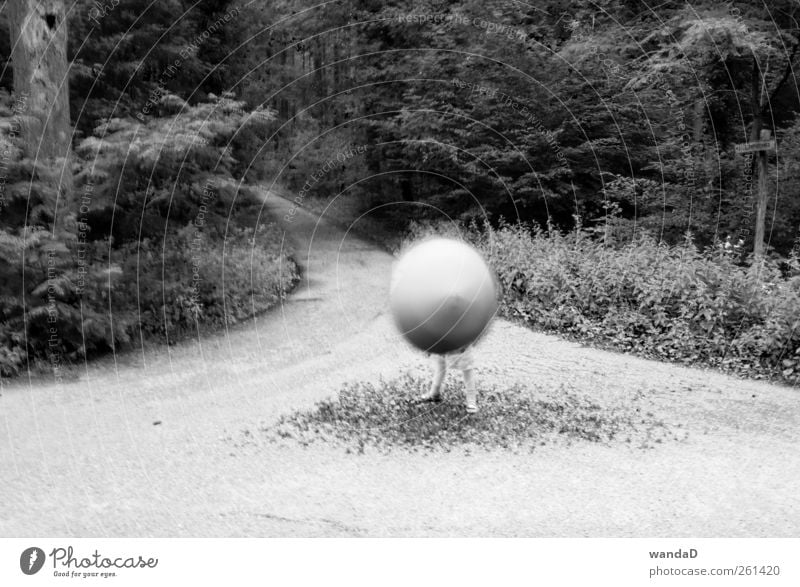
[
  {"x": 741, "y": 60},
  {"x": 123, "y": 59},
  {"x": 39, "y": 58}
]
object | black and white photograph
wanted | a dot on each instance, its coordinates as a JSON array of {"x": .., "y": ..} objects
[{"x": 473, "y": 269}]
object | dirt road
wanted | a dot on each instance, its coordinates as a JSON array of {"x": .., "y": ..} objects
[{"x": 164, "y": 442}]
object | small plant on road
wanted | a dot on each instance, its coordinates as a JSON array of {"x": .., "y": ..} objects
[{"x": 386, "y": 416}]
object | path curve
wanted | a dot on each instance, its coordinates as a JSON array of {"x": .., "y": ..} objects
[{"x": 86, "y": 457}]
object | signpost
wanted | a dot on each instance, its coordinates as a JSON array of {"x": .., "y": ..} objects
[
  {"x": 756, "y": 146},
  {"x": 760, "y": 147}
]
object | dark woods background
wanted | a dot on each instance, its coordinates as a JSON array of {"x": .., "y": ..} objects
[
  {"x": 606, "y": 119},
  {"x": 608, "y": 112}
]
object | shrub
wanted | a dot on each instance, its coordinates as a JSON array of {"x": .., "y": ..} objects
[
  {"x": 196, "y": 280},
  {"x": 118, "y": 259},
  {"x": 674, "y": 303}
]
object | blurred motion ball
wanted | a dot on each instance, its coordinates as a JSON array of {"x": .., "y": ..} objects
[{"x": 443, "y": 295}]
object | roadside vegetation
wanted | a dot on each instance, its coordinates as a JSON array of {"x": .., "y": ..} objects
[{"x": 709, "y": 307}]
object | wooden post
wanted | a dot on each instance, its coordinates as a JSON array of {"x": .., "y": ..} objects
[{"x": 761, "y": 203}]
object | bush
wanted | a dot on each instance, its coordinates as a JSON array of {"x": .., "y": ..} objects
[
  {"x": 674, "y": 303},
  {"x": 141, "y": 288},
  {"x": 199, "y": 280},
  {"x": 120, "y": 260}
]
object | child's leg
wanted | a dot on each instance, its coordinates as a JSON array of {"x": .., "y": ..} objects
[
  {"x": 439, "y": 371},
  {"x": 470, "y": 391}
]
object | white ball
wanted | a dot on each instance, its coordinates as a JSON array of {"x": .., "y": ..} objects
[{"x": 443, "y": 295}]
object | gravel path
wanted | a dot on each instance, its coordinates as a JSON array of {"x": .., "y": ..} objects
[{"x": 165, "y": 442}]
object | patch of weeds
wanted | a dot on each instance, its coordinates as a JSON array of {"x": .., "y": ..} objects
[{"x": 386, "y": 416}]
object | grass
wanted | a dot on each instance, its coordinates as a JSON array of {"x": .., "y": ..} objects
[{"x": 385, "y": 417}]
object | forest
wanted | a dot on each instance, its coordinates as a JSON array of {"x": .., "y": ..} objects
[{"x": 632, "y": 172}]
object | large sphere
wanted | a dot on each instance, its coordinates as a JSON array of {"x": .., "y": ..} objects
[{"x": 442, "y": 295}]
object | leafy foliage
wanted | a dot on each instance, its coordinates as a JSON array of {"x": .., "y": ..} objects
[
  {"x": 130, "y": 52},
  {"x": 195, "y": 281},
  {"x": 386, "y": 417},
  {"x": 613, "y": 114},
  {"x": 669, "y": 302},
  {"x": 494, "y": 109},
  {"x": 157, "y": 238}
]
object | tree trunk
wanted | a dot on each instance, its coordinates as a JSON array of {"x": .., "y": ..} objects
[
  {"x": 759, "y": 161},
  {"x": 39, "y": 57}
]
